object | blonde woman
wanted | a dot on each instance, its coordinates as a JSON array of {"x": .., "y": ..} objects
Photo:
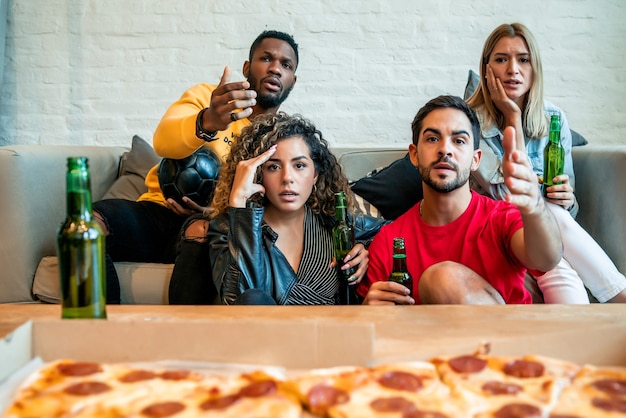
[{"x": 510, "y": 93}]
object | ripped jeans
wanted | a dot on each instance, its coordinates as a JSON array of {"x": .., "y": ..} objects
[{"x": 192, "y": 279}]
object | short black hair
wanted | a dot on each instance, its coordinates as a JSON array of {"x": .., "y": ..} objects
[
  {"x": 442, "y": 102},
  {"x": 274, "y": 34}
]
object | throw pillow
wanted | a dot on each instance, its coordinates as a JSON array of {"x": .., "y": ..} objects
[
  {"x": 393, "y": 189},
  {"x": 134, "y": 166},
  {"x": 578, "y": 139},
  {"x": 473, "y": 80}
]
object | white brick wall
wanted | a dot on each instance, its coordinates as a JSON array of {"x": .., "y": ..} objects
[{"x": 97, "y": 72}]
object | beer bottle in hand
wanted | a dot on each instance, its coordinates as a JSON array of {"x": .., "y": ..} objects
[
  {"x": 343, "y": 241},
  {"x": 400, "y": 274},
  {"x": 553, "y": 155},
  {"x": 80, "y": 249}
]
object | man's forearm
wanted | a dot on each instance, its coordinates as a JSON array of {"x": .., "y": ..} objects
[{"x": 542, "y": 238}]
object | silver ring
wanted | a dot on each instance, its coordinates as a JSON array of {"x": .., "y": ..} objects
[{"x": 233, "y": 117}]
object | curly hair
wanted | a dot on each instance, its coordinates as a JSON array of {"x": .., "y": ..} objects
[{"x": 267, "y": 130}]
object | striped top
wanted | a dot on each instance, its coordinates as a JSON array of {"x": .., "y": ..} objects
[{"x": 316, "y": 283}]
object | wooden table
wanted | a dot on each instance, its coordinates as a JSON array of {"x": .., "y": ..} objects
[{"x": 584, "y": 333}]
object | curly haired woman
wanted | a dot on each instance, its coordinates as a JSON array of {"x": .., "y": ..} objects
[{"x": 270, "y": 235}]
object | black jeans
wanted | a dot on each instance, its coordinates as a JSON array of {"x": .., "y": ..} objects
[
  {"x": 138, "y": 232},
  {"x": 192, "y": 280}
]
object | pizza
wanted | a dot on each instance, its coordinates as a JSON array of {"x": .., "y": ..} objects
[
  {"x": 500, "y": 386},
  {"x": 466, "y": 386},
  {"x": 411, "y": 389},
  {"x": 594, "y": 392},
  {"x": 68, "y": 388}
]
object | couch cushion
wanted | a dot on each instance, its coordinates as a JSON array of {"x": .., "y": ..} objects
[
  {"x": 134, "y": 166},
  {"x": 393, "y": 189},
  {"x": 140, "y": 283}
]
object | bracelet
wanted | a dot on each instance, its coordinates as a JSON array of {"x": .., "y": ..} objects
[{"x": 200, "y": 131}]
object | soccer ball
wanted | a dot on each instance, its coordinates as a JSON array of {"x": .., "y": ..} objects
[{"x": 194, "y": 177}]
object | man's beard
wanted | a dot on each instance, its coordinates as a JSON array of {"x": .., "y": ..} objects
[
  {"x": 444, "y": 186},
  {"x": 269, "y": 100}
]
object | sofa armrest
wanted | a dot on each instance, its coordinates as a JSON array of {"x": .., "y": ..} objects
[
  {"x": 601, "y": 192},
  {"x": 32, "y": 185}
]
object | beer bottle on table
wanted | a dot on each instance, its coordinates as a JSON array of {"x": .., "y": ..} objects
[
  {"x": 343, "y": 241},
  {"x": 80, "y": 249},
  {"x": 553, "y": 155},
  {"x": 400, "y": 274}
]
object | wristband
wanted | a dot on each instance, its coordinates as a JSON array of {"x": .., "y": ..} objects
[{"x": 201, "y": 132}]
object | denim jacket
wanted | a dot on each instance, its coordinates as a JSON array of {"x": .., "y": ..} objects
[{"x": 489, "y": 177}]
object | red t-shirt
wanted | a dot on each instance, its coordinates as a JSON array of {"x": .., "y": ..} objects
[{"x": 479, "y": 239}]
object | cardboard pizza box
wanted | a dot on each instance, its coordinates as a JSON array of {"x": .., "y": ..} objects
[{"x": 296, "y": 344}]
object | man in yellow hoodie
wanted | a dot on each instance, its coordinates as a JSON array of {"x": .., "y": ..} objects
[{"x": 205, "y": 116}]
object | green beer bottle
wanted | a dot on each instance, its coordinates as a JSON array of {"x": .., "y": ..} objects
[
  {"x": 343, "y": 241},
  {"x": 400, "y": 274},
  {"x": 80, "y": 249},
  {"x": 553, "y": 155}
]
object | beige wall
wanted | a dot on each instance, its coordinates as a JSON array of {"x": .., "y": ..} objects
[{"x": 97, "y": 72}]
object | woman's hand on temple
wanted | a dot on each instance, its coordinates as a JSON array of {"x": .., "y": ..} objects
[{"x": 243, "y": 183}]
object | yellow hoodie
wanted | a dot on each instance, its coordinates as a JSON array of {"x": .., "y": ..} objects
[{"x": 175, "y": 136}]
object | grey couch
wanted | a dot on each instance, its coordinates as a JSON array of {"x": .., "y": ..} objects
[{"x": 32, "y": 206}]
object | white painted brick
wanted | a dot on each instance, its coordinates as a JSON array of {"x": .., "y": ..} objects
[{"x": 98, "y": 72}]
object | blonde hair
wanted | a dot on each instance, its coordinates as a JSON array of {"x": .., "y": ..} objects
[
  {"x": 534, "y": 119},
  {"x": 265, "y": 131}
]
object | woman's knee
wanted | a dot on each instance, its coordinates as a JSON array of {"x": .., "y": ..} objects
[{"x": 196, "y": 230}]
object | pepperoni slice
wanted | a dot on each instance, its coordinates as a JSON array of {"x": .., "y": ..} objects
[
  {"x": 175, "y": 374},
  {"x": 401, "y": 381},
  {"x": 395, "y": 404},
  {"x": 610, "y": 405},
  {"x": 258, "y": 388},
  {"x": 322, "y": 396},
  {"x": 137, "y": 376},
  {"x": 518, "y": 410},
  {"x": 417, "y": 413},
  {"x": 493, "y": 387},
  {"x": 87, "y": 388},
  {"x": 163, "y": 409},
  {"x": 524, "y": 368},
  {"x": 611, "y": 386},
  {"x": 79, "y": 369},
  {"x": 219, "y": 403},
  {"x": 467, "y": 364}
]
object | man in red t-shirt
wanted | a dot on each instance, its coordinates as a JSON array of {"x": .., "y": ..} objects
[{"x": 462, "y": 247}]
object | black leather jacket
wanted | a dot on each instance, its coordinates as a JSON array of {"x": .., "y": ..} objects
[{"x": 244, "y": 255}]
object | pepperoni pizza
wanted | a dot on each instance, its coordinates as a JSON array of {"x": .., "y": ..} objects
[
  {"x": 68, "y": 388},
  {"x": 404, "y": 388},
  {"x": 493, "y": 386},
  {"x": 595, "y": 392},
  {"x": 476, "y": 386}
]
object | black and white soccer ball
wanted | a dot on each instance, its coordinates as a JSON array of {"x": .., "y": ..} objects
[{"x": 194, "y": 177}]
